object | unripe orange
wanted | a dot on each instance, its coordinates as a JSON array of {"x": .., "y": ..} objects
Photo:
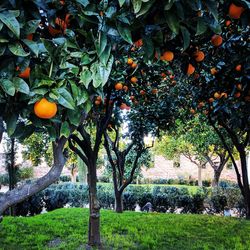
[{"x": 45, "y": 109}]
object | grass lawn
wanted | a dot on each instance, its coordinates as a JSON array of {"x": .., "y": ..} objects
[{"x": 67, "y": 229}]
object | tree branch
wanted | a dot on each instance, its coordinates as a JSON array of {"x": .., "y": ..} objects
[{"x": 25, "y": 191}]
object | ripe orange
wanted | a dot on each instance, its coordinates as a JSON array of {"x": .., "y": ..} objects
[
  {"x": 118, "y": 86},
  {"x": 199, "y": 56},
  {"x": 163, "y": 75},
  {"x": 29, "y": 37},
  {"x": 134, "y": 65},
  {"x": 132, "y": 98},
  {"x": 154, "y": 91},
  {"x": 201, "y": 105},
  {"x": 190, "y": 69},
  {"x": 216, "y": 40},
  {"x": 134, "y": 79},
  {"x": 228, "y": 22},
  {"x": 217, "y": 95},
  {"x": 138, "y": 43},
  {"x": 62, "y": 2},
  {"x": 211, "y": 99},
  {"x": 214, "y": 71},
  {"x": 142, "y": 92},
  {"x": 125, "y": 88},
  {"x": 238, "y": 67},
  {"x": 45, "y": 109},
  {"x": 237, "y": 94},
  {"x": 235, "y": 11},
  {"x": 192, "y": 111},
  {"x": 168, "y": 56},
  {"x": 239, "y": 86},
  {"x": 98, "y": 98},
  {"x": 97, "y": 102},
  {"x": 123, "y": 106},
  {"x": 25, "y": 74},
  {"x": 223, "y": 94},
  {"x": 54, "y": 31},
  {"x": 130, "y": 61}
]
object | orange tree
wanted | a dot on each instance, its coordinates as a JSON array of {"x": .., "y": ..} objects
[
  {"x": 218, "y": 85},
  {"x": 64, "y": 51}
]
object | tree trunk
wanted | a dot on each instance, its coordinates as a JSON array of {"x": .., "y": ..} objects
[
  {"x": 118, "y": 202},
  {"x": 1, "y": 129},
  {"x": 199, "y": 176},
  {"x": 23, "y": 192},
  {"x": 245, "y": 179},
  {"x": 217, "y": 174},
  {"x": 82, "y": 171},
  {"x": 94, "y": 209}
]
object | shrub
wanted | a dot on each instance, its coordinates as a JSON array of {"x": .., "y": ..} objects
[{"x": 25, "y": 173}]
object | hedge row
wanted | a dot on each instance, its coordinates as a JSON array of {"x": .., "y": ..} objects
[{"x": 163, "y": 199}]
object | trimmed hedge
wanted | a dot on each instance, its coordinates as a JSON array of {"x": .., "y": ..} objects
[{"x": 163, "y": 198}]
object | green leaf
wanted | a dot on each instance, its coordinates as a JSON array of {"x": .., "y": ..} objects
[
  {"x": 137, "y": 5},
  {"x": 9, "y": 19},
  {"x": 17, "y": 49},
  {"x": 121, "y": 2},
  {"x": 8, "y": 87},
  {"x": 105, "y": 71},
  {"x": 169, "y": 5},
  {"x": 11, "y": 123},
  {"x": 74, "y": 117},
  {"x": 33, "y": 46},
  {"x": 31, "y": 26},
  {"x": 186, "y": 37},
  {"x": 201, "y": 27},
  {"x": 85, "y": 77},
  {"x": 213, "y": 8},
  {"x": 21, "y": 85},
  {"x": 125, "y": 33},
  {"x": 2, "y": 49},
  {"x": 65, "y": 129},
  {"x": 82, "y": 97},
  {"x": 105, "y": 55},
  {"x": 87, "y": 106},
  {"x": 173, "y": 22},
  {"x": 97, "y": 80},
  {"x": 145, "y": 8},
  {"x": 52, "y": 133},
  {"x": 83, "y": 2},
  {"x": 101, "y": 43},
  {"x": 65, "y": 99}
]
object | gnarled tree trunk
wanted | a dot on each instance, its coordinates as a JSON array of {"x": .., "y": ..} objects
[
  {"x": 118, "y": 202},
  {"x": 23, "y": 192}
]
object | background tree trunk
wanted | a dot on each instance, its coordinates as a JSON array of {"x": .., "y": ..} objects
[
  {"x": 118, "y": 202},
  {"x": 94, "y": 209},
  {"x": 200, "y": 176},
  {"x": 217, "y": 174},
  {"x": 82, "y": 171}
]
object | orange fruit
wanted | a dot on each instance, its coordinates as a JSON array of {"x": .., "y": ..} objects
[
  {"x": 168, "y": 56},
  {"x": 142, "y": 92},
  {"x": 125, "y": 88},
  {"x": 199, "y": 56},
  {"x": 228, "y": 22},
  {"x": 211, "y": 99},
  {"x": 29, "y": 37},
  {"x": 45, "y": 109},
  {"x": 25, "y": 74},
  {"x": 138, "y": 43},
  {"x": 192, "y": 111},
  {"x": 118, "y": 86},
  {"x": 238, "y": 67},
  {"x": 54, "y": 31},
  {"x": 130, "y": 61},
  {"x": 217, "y": 95},
  {"x": 235, "y": 11},
  {"x": 134, "y": 79},
  {"x": 223, "y": 95},
  {"x": 216, "y": 40},
  {"x": 239, "y": 86},
  {"x": 214, "y": 71},
  {"x": 132, "y": 98},
  {"x": 62, "y": 2},
  {"x": 123, "y": 106},
  {"x": 201, "y": 105},
  {"x": 154, "y": 91},
  {"x": 97, "y": 102},
  {"x": 98, "y": 98},
  {"x": 237, "y": 94},
  {"x": 163, "y": 75},
  {"x": 134, "y": 65},
  {"x": 190, "y": 69}
]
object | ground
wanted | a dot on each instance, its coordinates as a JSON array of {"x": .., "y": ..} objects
[{"x": 67, "y": 229}]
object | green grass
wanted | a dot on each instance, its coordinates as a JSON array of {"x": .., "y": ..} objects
[{"x": 67, "y": 229}]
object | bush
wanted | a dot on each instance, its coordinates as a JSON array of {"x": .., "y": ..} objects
[
  {"x": 64, "y": 178},
  {"x": 4, "y": 179},
  {"x": 25, "y": 173}
]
